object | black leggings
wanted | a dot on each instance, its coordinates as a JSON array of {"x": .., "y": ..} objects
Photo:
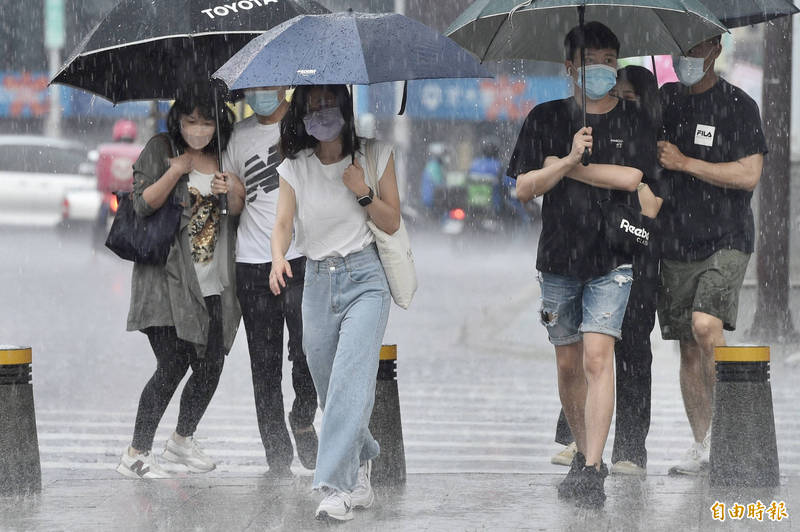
[{"x": 174, "y": 357}]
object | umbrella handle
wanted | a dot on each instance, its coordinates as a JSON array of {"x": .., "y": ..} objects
[
  {"x": 355, "y": 135},
  {"x": 404, "y": 100},
  {"x": 655, "y": 72},
  {"x": 222, "y": 198},
  {"x": 581, "y": 12}
]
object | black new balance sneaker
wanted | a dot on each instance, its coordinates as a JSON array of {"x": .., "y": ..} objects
[
  {"x": 567, "y": 487},
  {"x": 589, "y": 492}
]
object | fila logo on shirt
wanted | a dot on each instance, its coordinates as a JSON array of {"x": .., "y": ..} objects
[
  {"x": 226, "y": 9},
  {"x": 704, "y": 135}
]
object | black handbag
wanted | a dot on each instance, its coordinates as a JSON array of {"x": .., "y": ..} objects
[
  {"x": 626, "y": 229},
  {"x": 146, "y": 240}
]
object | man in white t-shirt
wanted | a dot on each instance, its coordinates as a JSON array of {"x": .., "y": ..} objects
[{"x": 252, "y": 155}]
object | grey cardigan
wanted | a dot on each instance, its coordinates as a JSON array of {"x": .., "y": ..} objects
[{"x": 170, "y": 295}]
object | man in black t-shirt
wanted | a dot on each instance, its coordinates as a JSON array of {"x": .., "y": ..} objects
[
  {"x": 712, "y": 154},
  {"x": 585, "y": 283}
]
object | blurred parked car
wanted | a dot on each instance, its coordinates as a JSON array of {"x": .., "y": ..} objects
[{"x": 36, "y": 173}]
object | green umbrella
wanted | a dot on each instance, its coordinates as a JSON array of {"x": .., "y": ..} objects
[{"x": 535, "y": 29}]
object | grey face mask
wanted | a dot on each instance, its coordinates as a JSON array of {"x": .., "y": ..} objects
[{"x": 325, "y": 124}]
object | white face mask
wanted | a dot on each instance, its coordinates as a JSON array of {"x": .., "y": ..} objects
[
  {"x": 689, "y": 69},
  {"x": 197, "y": 136}
]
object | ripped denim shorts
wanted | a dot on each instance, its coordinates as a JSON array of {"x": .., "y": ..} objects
[{"x": 571, "y": 307}]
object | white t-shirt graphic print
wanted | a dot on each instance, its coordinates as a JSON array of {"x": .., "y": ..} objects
[
  {"x": 252, "y": 154},
  {"x": 208, "y": 273}
]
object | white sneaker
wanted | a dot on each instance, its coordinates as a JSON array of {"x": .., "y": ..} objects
[
  {"x": 336, "y": 505},
  {"x": 188, "y": 454},
  {"x": 565, "y": 457},
  {"x": 363, "y": 496},
  {"x": 695, "y": 461},
  {"x": 626, "y": 467},
  {"x": 142, "y": 465}
]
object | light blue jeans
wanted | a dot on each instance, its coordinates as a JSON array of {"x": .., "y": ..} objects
[{"x": 345, "y": 309}]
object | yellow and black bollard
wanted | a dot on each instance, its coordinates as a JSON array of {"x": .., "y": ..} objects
[
  {"x": 744, "y": 451},
  {"x": 20, "y": 469},
  {"x": 389, "y": 469}
]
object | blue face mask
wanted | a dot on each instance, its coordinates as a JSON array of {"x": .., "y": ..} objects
[
  {"x": 263, "y": 101},
  {"x": 689, "y": 69},
  {"x": 599, "y": 80}
]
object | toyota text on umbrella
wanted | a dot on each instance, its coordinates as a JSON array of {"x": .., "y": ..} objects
[{"x": 245, "y": 5}]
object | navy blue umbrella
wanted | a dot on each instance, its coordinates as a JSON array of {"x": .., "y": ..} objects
[{"x": 347, "y": 48}]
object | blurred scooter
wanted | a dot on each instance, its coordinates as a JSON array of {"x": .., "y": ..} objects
[{"x": 114, "y": 173}]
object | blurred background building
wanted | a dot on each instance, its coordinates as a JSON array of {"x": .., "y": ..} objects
[{"x": 461, "y": 114}]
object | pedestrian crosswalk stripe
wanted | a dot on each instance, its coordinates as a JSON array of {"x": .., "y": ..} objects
[
  {"x": 523, "y": 429},
  {"x": 653, "y": 468}
]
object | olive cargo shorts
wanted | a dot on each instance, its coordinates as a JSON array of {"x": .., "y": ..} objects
[{"x": 711, "y": 285}]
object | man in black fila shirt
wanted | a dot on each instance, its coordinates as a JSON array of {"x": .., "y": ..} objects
[
  {"x": 585, "y": 283},
  {"x": 713, "y": 152}
]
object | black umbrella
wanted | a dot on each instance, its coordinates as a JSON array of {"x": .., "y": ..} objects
[
  {"x": 155, "y": 49},
  {"x": 739, "y": 13},
  {"x": 152, "y": 49},
  {"x": 745, "y": 13}
]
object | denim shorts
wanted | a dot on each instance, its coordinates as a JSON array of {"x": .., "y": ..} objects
[{"x": 571, "y": 307}]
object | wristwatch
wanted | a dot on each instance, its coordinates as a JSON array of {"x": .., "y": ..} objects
[
  {"x": 640, "y": 186},
  {"x": 366, "y": 200}
]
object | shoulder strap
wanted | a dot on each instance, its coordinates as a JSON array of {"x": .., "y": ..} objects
[
  {"x": 172, "y": 145},
  {"x": 174, "y": 150},
  {"x": 372, "y": 165}
]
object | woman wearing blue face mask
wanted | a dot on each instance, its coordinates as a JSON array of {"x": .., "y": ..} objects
[
  {"x": 253, "y": 155},
  {"x": 346, "y": 296}
]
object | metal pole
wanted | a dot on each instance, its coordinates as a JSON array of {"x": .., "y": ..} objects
[
  {"x": 773, "y": 318},
  {"x": 53, "y": 123},
  {"x": 54, "y": 39}
]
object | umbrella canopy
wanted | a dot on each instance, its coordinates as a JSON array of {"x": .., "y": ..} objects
[
  {"x": 746, "y": 12},
  {"x": 347, "y": 48},
  {"x": 512, "y": 29},
  {"x": 152, "y": 49}
]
